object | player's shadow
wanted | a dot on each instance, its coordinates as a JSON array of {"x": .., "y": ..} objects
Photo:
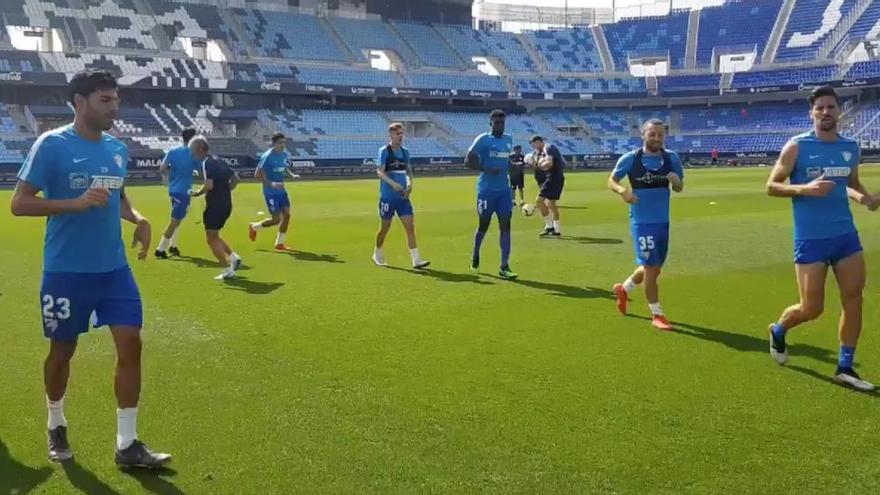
[
  {"x": 562, "y": 290},
  {"x": 85, "y": 480},
  {"x": 17, "y": 478},
  {"x": 572, "y": 207},
  {"x": 154, "y": 480},
  {"x": 307, "y": 256},
  {"x": 252, "y": 286},
  {"x": 746, "y": 343},
  {"x": 445, "y": 276},
  {"x": 591, "y": 240},
  {"x": 204, "y": 262}
]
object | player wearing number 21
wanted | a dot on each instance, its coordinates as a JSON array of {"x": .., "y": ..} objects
[{"x": 651, "y": 171}]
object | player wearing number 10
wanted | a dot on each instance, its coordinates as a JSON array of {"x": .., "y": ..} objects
[
  {"x": 86, "y": 278},
  {"x": 651, "y": 171},
  {"x": 395, "y": 187}
]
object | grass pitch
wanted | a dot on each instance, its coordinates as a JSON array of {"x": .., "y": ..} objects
[{"x": 317, "y": 372}]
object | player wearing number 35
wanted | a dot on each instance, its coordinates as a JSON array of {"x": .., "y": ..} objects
[{"x": 651, "y": 171}]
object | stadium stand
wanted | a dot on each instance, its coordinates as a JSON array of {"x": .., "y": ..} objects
[
  {"x": 281, "y": 35},
  {"x": 632, "y": 38},
  {"x": 499, "y": 45},
  {"x": 810, "y": 23},
  {"x": 743, "y": 23},
  {"x": 815, "y": 75},
  {"x": 567, "y": 50}
]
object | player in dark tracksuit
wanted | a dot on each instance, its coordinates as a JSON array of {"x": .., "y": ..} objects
[
  {"x": 548, "y": 159},
  {"x": 517, "y": 174}
]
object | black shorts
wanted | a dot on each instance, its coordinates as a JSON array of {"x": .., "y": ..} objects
[
  {"x": 215, "y": 215},
  {"x": 552, "y": 189},
  {"x": 518, "y": 180}
]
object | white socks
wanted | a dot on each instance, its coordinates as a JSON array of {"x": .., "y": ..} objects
[
  {"x": 164, "y": 244},
  {"x": 174, "y": 237},
  {"x": 629, "y": 285},
  {"x": 56, "y": 413},
  {"x": 126, "y": 427},
  {"x": 414, "y": 253},
  {"x": 257, "y": 225},
  {"x": 548, "y": 221},
  {"x": 556, "y": 226},
  {"x": 279, "y": 239},
  {"x": 655, "y": 309}
]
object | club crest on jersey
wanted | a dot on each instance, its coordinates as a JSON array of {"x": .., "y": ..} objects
[
  {"x": 847, "y": 155},
  {"x": 118, "y": 159},
  {"x": 79, "y": 180}
]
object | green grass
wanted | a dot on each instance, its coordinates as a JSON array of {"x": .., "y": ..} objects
[{"x": 318, "y": 372}]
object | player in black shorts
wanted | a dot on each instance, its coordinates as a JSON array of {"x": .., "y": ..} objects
[
  {"x": 548, "y": 159},
  {"x": 517, "y": 174},
  {"x": 220, "y": 180}
]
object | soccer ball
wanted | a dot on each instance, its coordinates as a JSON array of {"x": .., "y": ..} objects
[{"x": 528, "y": 210}]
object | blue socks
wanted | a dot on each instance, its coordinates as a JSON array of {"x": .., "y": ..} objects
[
  {"x": 505, "y": 248},
  {"x": 847, "y": 355},
  {"x": 478, "y": 241}
]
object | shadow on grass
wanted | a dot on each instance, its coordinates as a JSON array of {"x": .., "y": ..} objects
[
  {"x": 746, "y": 343},
  {"x": 17, "y": 478},
  {"x": 591, "y": 240},
  {"x": 203, "y": 262},
  {"x": 561, "y": 290},
  {"x": 252, "y": 286},
  {"x": 306, "y": 256},
  {"x": 155, "y": 480},
  {"x": 561, "y": 207},
  {"x": 445, "y": 276},
  {"x": 85, "y": 480}
]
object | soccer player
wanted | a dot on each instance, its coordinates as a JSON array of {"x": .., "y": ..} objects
[
  {"x": 220, "y": 181},
  {"x": 177, "y": 169},
  {"x": 517, "y": 174},
  {"x": 549, "y": 160},
  {"x": 651, "y": 171},
  {"x": 271, "y": 171},
  {"x": 822, "y": 170},
  {"x": 86, "y": 278},
  {"x": 395, "y": 187},
  {"x": 490, "y": 153}
]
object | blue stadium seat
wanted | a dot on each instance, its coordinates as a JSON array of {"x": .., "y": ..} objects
[
  {"x": 737, "y": 23},
  {"x": 568, "y": 50},
  {"x": 501, "y": 45},
  {"x": 810, "y": 23},
  {"x": 630, "y": 38},
  {"x": 284, "y": 35}
]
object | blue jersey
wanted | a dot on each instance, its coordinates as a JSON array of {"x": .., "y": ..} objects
[
  {"x": 395, "y": 166},
  {"x": 64, "y": 166},
  {"x": 181, "y": 166},
  {"x": 274, "y": 165},
  {"x": 823, "y": 218},
  {"x": 649, "y": 184},
  {"x": 494, "y": 153}
]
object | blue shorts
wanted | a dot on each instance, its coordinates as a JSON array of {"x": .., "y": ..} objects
[
  {"x": 389, "y": 206},
  {"x": 651, "y": 243},
  {"x": 828, "y": 251},
  {"x": 179, "y": 205},
  {"x": 277, "y": 202},
  {"x": 495, "y": 202},
  {"x": 69, "y": 300}
]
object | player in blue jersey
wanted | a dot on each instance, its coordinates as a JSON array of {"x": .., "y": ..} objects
[
  {"x": 271, "y": 171},
  {"x": 81, "y": 170},
  {"x": 177, "y": 170},
  {"x": 395, "y": 187},
  {"x": 490, "y": 155},
  {"x": 651, "y": 171},
  {"x": 819, "y": 170},
  {"x": 549, "y": 160}
]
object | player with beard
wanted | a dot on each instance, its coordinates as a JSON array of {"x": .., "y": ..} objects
[{"x": 651, "y": 171}]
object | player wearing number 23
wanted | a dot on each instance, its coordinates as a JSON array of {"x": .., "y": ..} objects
[{"x": 651, "y": 171}]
